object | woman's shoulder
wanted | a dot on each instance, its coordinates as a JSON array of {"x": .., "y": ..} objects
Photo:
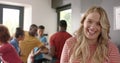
[
  {"x": 70, "y": 41},
  {"x": 6, "y": 46},
  {"x": 112, "y": 46},
  {"x": 113, "y": 53}
]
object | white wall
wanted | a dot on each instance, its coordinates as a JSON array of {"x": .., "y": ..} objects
[
  {"x": 44, "y": 14},
  {"x": 37, "y": 12},
  {"x": 76, "y": 7}
]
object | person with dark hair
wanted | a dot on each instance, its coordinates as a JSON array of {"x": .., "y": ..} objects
[
  {"x": 30, "y": 42},
  {"x": 57, "y": 41},
  {"x": 41, "y": 36},
  {"x": 41, "y": 27},
  {"x": 19, "y": 35},
  {"x": 8, "y": 53}
]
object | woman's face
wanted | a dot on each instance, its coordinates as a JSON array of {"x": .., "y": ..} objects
[{"x": 92, "y": 27}]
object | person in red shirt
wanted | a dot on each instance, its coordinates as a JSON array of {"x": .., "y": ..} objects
[
  {"x": 8, "y": 54},
  {"x": 91, "y": 43},
  {"x": 57, "y": 41}
]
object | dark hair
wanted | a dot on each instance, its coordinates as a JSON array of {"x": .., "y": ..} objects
[
  {"x": 4, "y": 34},
  {"x": 63, "y": 23},
  {"x": 33, "y": 30},
  {"x": 41, "y": 27},
  {"x": 19, "y": 32}
]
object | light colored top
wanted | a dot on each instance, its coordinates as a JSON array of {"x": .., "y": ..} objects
[
  {"x": 114, "y": 55},
  {"x": 43, "y": 39}
]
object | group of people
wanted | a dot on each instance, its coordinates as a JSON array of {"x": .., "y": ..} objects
[
  {"x": 90, "y": 44},
  {"x": 18, "y": 48}
]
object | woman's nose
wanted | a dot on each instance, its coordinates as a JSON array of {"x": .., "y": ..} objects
[{"x": 92, "y": 27}]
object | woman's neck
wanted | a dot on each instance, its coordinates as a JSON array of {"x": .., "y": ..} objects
[{"x": 92, "y": 42}]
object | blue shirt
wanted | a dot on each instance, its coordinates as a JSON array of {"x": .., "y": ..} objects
[
  {"x": 14, "y": 42},
  {"x": 40, "y": 56},
  {"x": 43, "y": 39}
]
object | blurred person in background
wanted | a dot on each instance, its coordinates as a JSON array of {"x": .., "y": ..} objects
[
  {"x": 30, "y": 42},
  {"x": 19, "y": 35},
  {"x": 57, "y": 41},
  {"x": 8, "y": 54},
  {"x": 41, "y": 36}
]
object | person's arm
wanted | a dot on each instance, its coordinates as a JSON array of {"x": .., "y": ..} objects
[
  {"x": 114, "y": 55},
  {"x": 46, "y": 43},
  {"x": 52, "y": 51},
  {"x": 44, "y": 49},
  {"x": 13, "y": 44},
  {"x": 52, "y": 46},
  {"x": 41, "y": 49}
]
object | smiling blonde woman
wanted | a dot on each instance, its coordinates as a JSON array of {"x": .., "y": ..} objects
[{"x": 91, "y": 43}]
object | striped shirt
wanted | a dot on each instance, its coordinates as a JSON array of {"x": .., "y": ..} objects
[{"x": 114, "y": 55}]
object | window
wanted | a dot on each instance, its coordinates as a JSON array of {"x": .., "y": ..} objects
[
  {"x": 11, "y": 17},
  {"x": 64, "y": 13},
  {"x": 117, "y": 18}
]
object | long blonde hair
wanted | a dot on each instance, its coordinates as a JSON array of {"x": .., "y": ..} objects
[{"x": 81, "y": 48}]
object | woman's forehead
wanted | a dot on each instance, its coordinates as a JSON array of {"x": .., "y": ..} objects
[{"x": 93, "y": 16}]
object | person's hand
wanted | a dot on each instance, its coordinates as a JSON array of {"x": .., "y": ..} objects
[
  {"x": 44, "y": 49},
  {"x": 37, "y": 52},
  {"x": 32, "y": 56}
]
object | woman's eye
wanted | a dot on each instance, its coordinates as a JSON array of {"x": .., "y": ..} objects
[
  {"x": 98, "y": 23},
  {"x": 89, "y": 21}
]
